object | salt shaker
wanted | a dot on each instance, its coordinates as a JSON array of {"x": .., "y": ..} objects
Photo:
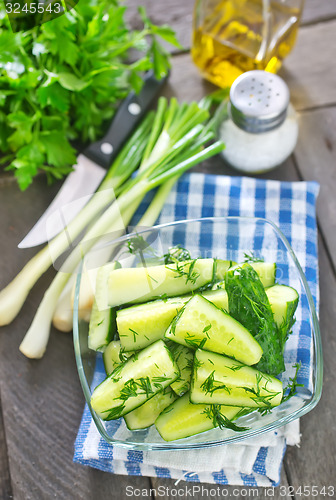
[{"x": 261, "y": 128}]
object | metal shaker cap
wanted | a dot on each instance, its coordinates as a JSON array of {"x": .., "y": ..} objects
[{"x": 258, "y": 101}]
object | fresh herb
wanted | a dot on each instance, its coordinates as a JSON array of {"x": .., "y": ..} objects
[
  {"x": 235, "y": 367},
  {"x": 64, "y": 79},
  {"x": 194, "y": 342},
  {"x": 206, "y": 330},
  {"x": 220, "y": 420},
  {"x": 159, "y": 379},
  {"x": 115, "y": 412},
  {"x": 145, "y": 385},
  {"x": 176, "y": 254},
  {"x": 196, "y": 363},
  {"x": 290, "y": 390},
  {"x": 248, "y": 304},
  {"x": 257, "y": 397},
  {"x": 209, "y": 385},
  {"x": 122, "y": 356},
  {"x": 135, "y": 334},
  {"x": 264, "y": 411},
  {"x": 251, "y": 257},
  {"x": 129, "y": 390},
  {"x": 186, "y": 269}
]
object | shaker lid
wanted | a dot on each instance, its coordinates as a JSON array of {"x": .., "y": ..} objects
[{"x": 258, "y": 101}]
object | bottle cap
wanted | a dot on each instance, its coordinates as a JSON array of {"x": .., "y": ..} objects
[{"x": 258, "y": 101}]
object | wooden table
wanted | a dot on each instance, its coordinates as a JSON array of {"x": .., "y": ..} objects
[{"x": 42, "y": 401}]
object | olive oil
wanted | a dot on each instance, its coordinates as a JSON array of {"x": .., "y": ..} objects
[{"x": 234, "y": 36}]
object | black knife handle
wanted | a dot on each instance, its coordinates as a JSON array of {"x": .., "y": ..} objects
[{"x": 129, "y": 114}]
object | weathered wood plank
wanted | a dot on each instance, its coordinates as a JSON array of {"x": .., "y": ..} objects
[
  {"x": 309, "y": 70},
  {"x": 165, "y": 489},
  {"x": 316, "y": 11},
  {"x": 5, "y": 480},
  {"x": 175, "y": 13},
  {"x": 315, "y": 155},
  {"x": 314, "y": 462}
]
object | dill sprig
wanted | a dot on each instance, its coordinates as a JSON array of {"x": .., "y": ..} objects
[
  {"x": 130, "y": 390},
  {"x": 258, "y": 398},
  {"x": 251, "y": 257},
  {"x": 176, "y": 254},
  {"x": 206, "y": 330},
  {"x": 115, "y": 412},
  {"x": 186, "y": 269},
  {"x": 194, "y": 342},
  {"x": 137, "y": 245},
  {"x": 145, "y": 385},
  {"x": 209, "y": 385},
  {"x": 220, "y": 420},
  {"x": 290, "y": 390},
  {"x": 135, "y": 334}
]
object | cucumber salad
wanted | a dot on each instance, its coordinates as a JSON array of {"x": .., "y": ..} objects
[{"x": 191, "y": 344}]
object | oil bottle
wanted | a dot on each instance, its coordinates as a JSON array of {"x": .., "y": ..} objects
[{"x": 234, "y": 36}]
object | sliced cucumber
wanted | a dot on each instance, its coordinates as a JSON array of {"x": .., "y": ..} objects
[
  {"x": 201, "y": 323},
  {"x": 132, "y": 285},
  {"x": 146, "y": 414},
  {"x": 284, "y": 301},
  {"x": 101, "y": 292},
  {"x": 134, "y": 382},
  {"x": 114, "y": 355},
  {"x": 143, "y": 324},
  {"x": 102, "y": 327},
  {"x": 217, "y": 379},
  {"x": 184, "y": 358},
  {"x": 266, "y": 272},
  {"x": 183, "y": 419}
]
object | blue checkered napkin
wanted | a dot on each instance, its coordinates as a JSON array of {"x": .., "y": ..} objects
[{"x": 256, "y": 461}]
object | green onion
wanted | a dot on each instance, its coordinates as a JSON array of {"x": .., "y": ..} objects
[{"x": 176, "y": 143}]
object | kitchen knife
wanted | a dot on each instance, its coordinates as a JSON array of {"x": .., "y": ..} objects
[{"x": 91, "y": 165}]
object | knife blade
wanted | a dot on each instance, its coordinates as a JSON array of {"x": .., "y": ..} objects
[{"x": 92, "y": 164}]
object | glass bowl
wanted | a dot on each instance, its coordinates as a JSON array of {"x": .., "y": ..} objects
[{"x": 227, "y": 238}]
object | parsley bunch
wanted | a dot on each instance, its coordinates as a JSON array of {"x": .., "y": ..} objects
[{"x": 63, "y": 80}]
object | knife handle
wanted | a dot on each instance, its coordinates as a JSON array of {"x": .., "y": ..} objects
[{"x": 128, "y": 115}]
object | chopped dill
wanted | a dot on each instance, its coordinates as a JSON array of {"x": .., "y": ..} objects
[
  {"x": 128, "y": 391},
  {"x": 194, "y": 342},
  {"x": 189, "y": 274},
  {"x": 209, "y": 385},
  {"x": 145, "y": 385},
  {"x": 206, "y": 330},
  {"x": 290, "y": 390},
  {"x": 176, "y": 254},
  {"x": 115, "y": 412},
  {"x": 134, "y": 334},
  {"x": 220, "y": 420},
  {"x": 251, "y": 257}
]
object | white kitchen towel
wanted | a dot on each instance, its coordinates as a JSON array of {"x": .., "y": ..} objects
[{"x": 256, "y": 461}]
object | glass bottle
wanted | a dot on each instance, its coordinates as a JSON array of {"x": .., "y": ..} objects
[
  {"x": 261, "y": 127},
  {"x": 233, "y": 36}
]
